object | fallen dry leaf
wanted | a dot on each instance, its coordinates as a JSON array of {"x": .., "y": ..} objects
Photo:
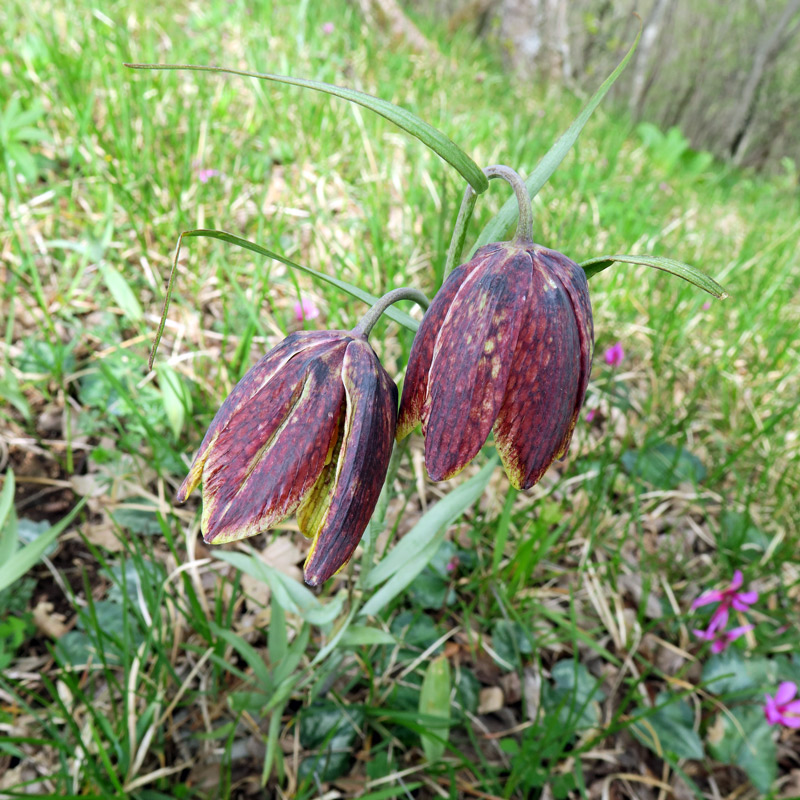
[{"x": 47, "y": 622}]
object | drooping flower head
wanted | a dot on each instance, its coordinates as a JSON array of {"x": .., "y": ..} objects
[
  {"x": 309, "y": 429},
  {"x": 783, "y": 709},
  {"x": 506, "y": 345}
]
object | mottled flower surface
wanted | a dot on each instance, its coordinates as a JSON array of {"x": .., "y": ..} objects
[
  {"x": 309, "y": 429},
  {"x": 783, "y": 709},
  {"x": 727, "y": 599},
  {"x": 506, "y": 345}
]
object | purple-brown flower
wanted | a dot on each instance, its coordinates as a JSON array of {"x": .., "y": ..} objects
[
  {"x": 308, "y": 430},
  {"x": 506, "y": 344}
]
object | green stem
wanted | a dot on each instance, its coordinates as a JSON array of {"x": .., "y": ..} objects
[
  {"x": 524, "y": 232},
  {"x": 373, "y": 315},
  {"x": 460, "y": 231}
]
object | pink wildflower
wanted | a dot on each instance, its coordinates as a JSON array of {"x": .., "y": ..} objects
[
  {"x": 727, "y": 598},
  {"x": 614, "y": 355},
  {"x": 452, "y": 564},
  {"x": 721, "y": 639},
  {"x": 783, "y": 709},
  {"x": 305, "y": 309},
  {"x": 327, "y": 28},
  {"x": 590, "y": 414},
  {"x": 706, "y": 305},
  {"x": 206, "y": 174}
]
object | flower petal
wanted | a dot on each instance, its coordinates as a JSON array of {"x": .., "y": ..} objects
[
  {"x": 274, "y": 447},
  {"x": 573, "y": 279},
  {"x": 363, "y": 459},
  {"x": 742, "y": 600},
  {"x": 415, "y": 383},
  {"x": 786, "y": 692},
  {"x": 713, "y": 596},
  {"x": 737, "y": 580},
  {"x": 535, "y": 421},
  {"x": 472, "y": 360},
  {"x": 250, "y": 385}
]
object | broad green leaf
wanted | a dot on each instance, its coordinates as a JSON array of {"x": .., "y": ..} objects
[
  {"x": 575, "y": 695},
  {"x": 497, "y": 227},
  {"x": 11, "y": 392},
  {"x": 686, "y": 271},
  {"x": 358, "y": 635},
  {"x": 25, "y": 558},
  {"x": 743, "y": 737},
  {"x": 398, "y": 316},
  {"x": 669, "y": 728},
  {"x": 434, "y": 704},
  {"x": 8, "y": 519},
  {"x": 410, "y": 123},
  {"x": 121, "y": 292},
  {"x": 174, "y": 396},
  {"x": 664, "y": 465},
  {"x": 330, "y": 733},
  {"x": 730, "y": 673}
]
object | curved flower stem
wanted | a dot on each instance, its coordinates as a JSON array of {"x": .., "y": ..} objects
[
  {"x": 373, "y": 315},
  {"x": 460, "y": 231},
  {"x": 524, "y": 232}
]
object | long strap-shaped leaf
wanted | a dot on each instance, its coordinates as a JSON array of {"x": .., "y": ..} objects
[
  {"x": 411, "y": 123},
  {"x": 496, "y": 229},
  {"x": 398, "y": 316},
  {"x": 686, "y": 271}
]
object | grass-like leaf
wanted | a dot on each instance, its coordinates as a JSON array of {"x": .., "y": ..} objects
[
  {"x": 686, "y": 271},
  {"x": 497, "y": 227},
  {"x": 398, "y": 316},
  {"x": 410, "y": 123}
]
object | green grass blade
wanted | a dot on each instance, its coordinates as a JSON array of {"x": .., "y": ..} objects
[
  {"x": 497, "y": 227},
  {"x": 24, "y": 559},
  {"x": 686, "y": 271},
  {"x": 410, "y": 123},
  {"x": 8, "y": 520}
]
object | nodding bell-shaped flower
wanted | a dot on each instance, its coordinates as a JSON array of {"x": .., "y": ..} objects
[
  {"x": 506, "y": 344},
  {"x": 308, "y": 430}
]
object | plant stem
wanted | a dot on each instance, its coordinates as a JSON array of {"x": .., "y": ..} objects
[
  {"x": 524, "y": 232},
  {"x": 460, "y": 231},
  {"x": 373, "y": 315}
]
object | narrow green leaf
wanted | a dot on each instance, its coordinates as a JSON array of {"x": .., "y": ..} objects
[
  {"x": 8, "y": 520},
  {"x": 250, "y": 655},
  {"x": 686, "y": 271},
  {"x": 443, "y": 514},
  {"x": 416, "y": 549},
  {"x": 410, "y": 123},
  {"x": 174, "y": 396},
  {"x": 498, "y": 226},
  {"x": 434, "y": 702},
  {"x": 121, "y": 292},
  {"x": 277, "y": 638},
  {"x": 398, "y": 316},
  {"x": 25, "y": 558},
  {"x": 358, "y": 635}
]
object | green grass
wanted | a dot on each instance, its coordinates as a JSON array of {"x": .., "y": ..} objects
[{"x": 170, "y": 676}]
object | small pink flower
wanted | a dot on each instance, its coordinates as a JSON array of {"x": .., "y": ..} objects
[
  {"x": 727, "y": 598},
  {"x": 614, "y": 355},
  {"x": 783, "y": 709},
  {"x": 590, "y": 414},
  {"x": 452, "y": 564},
  {"x": 721, "y": 639},
  {"x": 327, "y": 28},
  {"x": 305, "y": 309},
  {"x": 706, "y": 305},
  {"x": 206, "y": 174}
]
